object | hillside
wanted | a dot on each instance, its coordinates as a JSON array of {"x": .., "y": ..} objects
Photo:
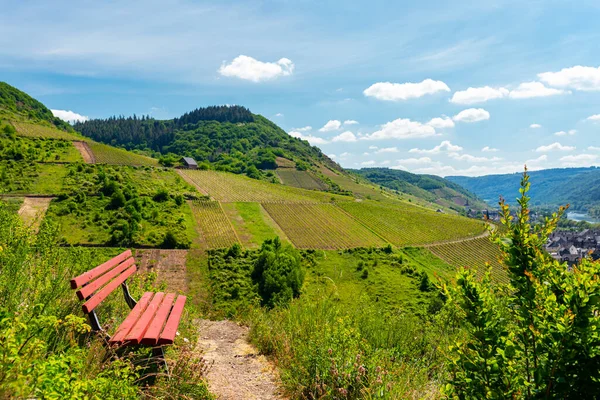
[
  {"x": 579, "y": 187},
  {"x": 429, "y": 187}
]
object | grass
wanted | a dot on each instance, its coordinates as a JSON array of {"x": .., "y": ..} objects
[
  {"x": 13, "y": 204},
  {"x": 320, "y": 226},
  {"x": 227, "y": 187},
  {"x": 472, "y": 254},
  {"x": 31, "y": 178},
  {"x": 252, "y": 223},
  {"x": 405, "y": 225},
  {"x": 41, "y": 131},
  {"x": 13, "y": 147},
  {"x": 105, "y": 154},
  {"x": 214, "y": 228},
  {"x": 300, "y": 179}
]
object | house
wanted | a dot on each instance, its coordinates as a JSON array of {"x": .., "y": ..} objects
[{"x": 189, "y": 163}]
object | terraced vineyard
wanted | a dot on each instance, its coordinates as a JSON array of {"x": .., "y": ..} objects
[
  {"x": 321, "y": 226},
  {"x": 40, "y": 131},
  {"x": 110, "y": 155},
  {"x": 227, "y": 187},
  {"x": 406, "y": 225},
  {"x": 215, "y": 228},
  {"x": 473, "y": 254},
  {"x": 300, "y": 179}
]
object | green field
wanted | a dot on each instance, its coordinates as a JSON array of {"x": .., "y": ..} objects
[
  {"x": 252, "y": 223},
  {"x": 407, "y": 225},
  {"x": 300, "y": 179},
  {"x": 321, "y": 226},
  {"x": 472, "y": 254},
  {"x": 32, "y": 149},
  {"x": 31, "y": 178},
  {"x": 105, "y": 154},
  {"x": 13, "y": 204},
  {"x": 41, "y": 131},
  {"x": 215, "y": 229},
  {"x": 227, "y": 187}
]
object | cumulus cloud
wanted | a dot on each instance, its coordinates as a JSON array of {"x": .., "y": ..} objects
[
  {"x": 470, "y": 158},
  {"x": 304, "y": 129},
  {"x": 445, "y": 146},
  {"x": 387, "y": 150},
  {"x": 345, "y": 137},
  {"x": 250, "y": 69},
  {"x": 441, "y": 123},
  {"x": 69, "y": 116},
  {"x": 350, "y": 122},
  {"x": 579, "y": 158},
  {"x": 415, "y": 161},
  {"x": 528, "y": 90},
  {"x": 554, "y": 147},
  {"x": 403, "y": 91},
  {"x": 331, "y": 125},
  {"x": 594, "y": 118},
  {"x": 279, "y": 115},
  {"x": 535, "y": 126},
  {"x": 368, "y": 163},
  {"x": 577, "y": 77},
  {"x": 594, "y": 148},
  {"x": 478, "y": 95},
  {"x": 563, "y": 133},
  {"x": 309, "y": 138},
  {"x": 472, "y": 115},
  {"x": 401, "y": 128},
  {"x": 488, "y": 149},
  {"x": 332, "y": 156}
]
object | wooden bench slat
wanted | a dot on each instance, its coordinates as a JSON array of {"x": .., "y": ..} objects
[
  {"x": 101, "y": 281},
  {"x": 132, "y": 318},
  {"x": 168, "y": 334},
  {"x": 103, "y": 293},
  {"x": 99, "y": 270},
  {"x": 156, "y": 326},
  {"x": 139, "y": 329}
]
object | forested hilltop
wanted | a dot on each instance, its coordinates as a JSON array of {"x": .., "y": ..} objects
[{"x": 227, "y": 138}]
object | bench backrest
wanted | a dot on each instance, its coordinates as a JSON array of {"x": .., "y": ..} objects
[{"x": 96, "y": 284}]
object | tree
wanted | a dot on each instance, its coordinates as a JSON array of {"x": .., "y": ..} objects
[{"x": 538, "y": 335}]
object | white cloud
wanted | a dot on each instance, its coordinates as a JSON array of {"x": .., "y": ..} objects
[
  {"x": 401, "y": 128},
  {"x": 415, "y": 161},
  {"x": 594, "y": 118},
  {"x": 441, "y": 123},
  {"x": 313, "y": 140},
  {"x": 368, "y": 163},
  {"x": 373, "y": 147},
  {"x": 445, "y": 146},
  {"x": 579, "y": 158},
  {"x": 528, "y": 90},
  {"x": 345, "y": 137},
  {"x": 350, "y": 122},
  {"x": 303, "y": 129},
  {"x": 404, "y": 91},
  {"x": 366, "y": 153},
  {"x": 69, "y": 116},
  {"x": 594, "y": 148},
  {"x": 387, "y": 150},
  {"x": 535, "y": 126},
  {"x": 563, "y": 133},
  {"x": 248, "y": 68},
  {"x": 470, "y": 158},
  {"x": 386, "y": 162},
  {"x": 331, "y": 125},
  {"x": 472, "y": 115},
  {"x": 478, "y": 95},
  {"x": 554, "y": 146},
  {"x": 577, "y": 77},
  {"x": 489, "y": 149},
  {"x": 332, "y": 156},
  {"x": 279, "y": 115}
]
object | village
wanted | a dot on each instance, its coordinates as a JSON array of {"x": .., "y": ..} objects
[{"x": 568, "y": 246}]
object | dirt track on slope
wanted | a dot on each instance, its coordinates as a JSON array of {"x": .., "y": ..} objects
[
  {"x": 235, "y": 369},
  {"x": 33, "y": 209},
  {"x": 169, "y": 266},
  {"x": 85, "y": 151}
]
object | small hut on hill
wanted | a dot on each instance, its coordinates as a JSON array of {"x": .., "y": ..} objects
[{"x": 189, "y": 163}]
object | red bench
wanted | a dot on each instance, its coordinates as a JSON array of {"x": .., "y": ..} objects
[{"x": 153, "y": 320}]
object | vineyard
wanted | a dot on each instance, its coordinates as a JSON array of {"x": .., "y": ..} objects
[
  {"x": 320, "y": 226},
  {"x": 472, "y": 254},
  {"x": 300, "y": 179},
  {"x": 110, "y": 155},
  {"x": 360, "y": 190},
  {"x": 406, "y": 225},
  {"x": 40, "y": 131},
  {"x": 227, "y": 187},
  {"x": 215, "y": 228}
]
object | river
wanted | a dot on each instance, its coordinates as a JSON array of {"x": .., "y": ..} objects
[{"x": 575, "y": 216}]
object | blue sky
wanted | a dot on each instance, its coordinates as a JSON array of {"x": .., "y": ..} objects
[{"x": 449, "y": 88}]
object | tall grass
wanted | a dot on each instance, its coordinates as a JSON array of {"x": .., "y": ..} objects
[{"x": 326, "y": 350}]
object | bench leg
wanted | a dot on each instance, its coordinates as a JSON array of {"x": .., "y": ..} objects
[{"x": 158, "y": 354}]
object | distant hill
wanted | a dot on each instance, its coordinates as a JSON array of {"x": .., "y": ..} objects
[
  {"x": 228, "y": 138},
  {"x": 429, "y": 187},
  {"x": 579, "y": 187}
]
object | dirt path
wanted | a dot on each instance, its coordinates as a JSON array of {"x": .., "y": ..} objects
[
  {"x": 33, "y": 209},
  {"x": 169, "y": 266},
  {"x": 236, "y": 371},
  {"x": 85, "y": 152},
  {"x": 484, "y": 234}
]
